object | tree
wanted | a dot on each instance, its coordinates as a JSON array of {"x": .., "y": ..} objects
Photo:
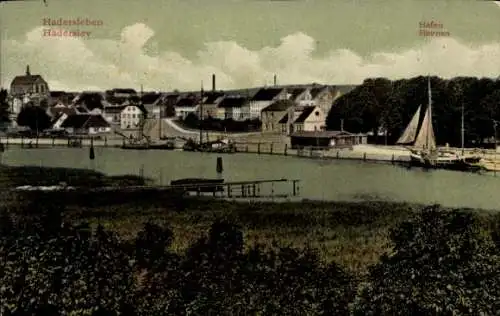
[
  {"x": 4, "y": 107},
  {"x": 33, "y": 117}
]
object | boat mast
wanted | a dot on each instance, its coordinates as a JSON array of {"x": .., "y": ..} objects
[
  {"x": 463, "y": 128},
  {"x": 201, "y": 113}
]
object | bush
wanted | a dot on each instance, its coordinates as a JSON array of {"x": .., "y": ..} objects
[{"x": 441, "y": 264}]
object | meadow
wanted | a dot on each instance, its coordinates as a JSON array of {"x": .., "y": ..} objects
[{"x": 162, "y": 254}]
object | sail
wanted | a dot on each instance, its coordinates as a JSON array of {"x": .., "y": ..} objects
[
  {"x": 426, "y": 139},
  {"x": 411, "y": 130}
]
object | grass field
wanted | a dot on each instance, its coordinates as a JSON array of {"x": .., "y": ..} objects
[{"x": 352, "y": 234}]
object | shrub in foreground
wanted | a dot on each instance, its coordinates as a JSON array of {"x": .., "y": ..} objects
[{"x": 440, "y": 264}]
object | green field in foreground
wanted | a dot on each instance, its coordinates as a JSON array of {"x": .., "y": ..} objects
[{"x": 354, "y": 235}]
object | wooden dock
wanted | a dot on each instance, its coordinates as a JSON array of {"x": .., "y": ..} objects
[{"x": 256, "y": 189}]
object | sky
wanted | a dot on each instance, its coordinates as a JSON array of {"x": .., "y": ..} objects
[{"x": 178, "y": 44}]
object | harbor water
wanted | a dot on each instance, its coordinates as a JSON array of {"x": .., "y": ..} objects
[{"x": 319, "y": 179}]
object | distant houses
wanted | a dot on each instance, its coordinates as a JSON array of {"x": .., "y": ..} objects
[
  {"x": 86, "y": 124},
  {"x": 281, "y": 109}
]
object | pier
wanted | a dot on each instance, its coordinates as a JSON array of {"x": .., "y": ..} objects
[{"x": 250, "y": 190}]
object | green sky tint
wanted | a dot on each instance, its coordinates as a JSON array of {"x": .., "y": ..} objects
[{"x": 184, "y": 27}]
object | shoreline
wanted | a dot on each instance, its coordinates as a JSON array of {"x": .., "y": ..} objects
[{"x": 364, "y": 152}]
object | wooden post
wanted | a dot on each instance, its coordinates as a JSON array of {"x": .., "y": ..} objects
[
  {"x": 105, "y": 141},
  {"x": 337, "y": 154},
  {"x": 229, "y": 190},
  {"x": 392, "y": 159},
  {"x": 294, "y": 188},
  {"x": 258, "y": 148},
  {"x": 286, "y": 149},
  {"x": 271, "y": 149},
  {"x": 53, "y": 141},
  {"x": 243, "y": 193},
  {"x": 247, "y": 148},
  {"x": 364, "y": 156}
]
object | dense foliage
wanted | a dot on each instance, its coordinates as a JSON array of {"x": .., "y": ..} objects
[
  {"x": 227, "y": 125},
  {"x": 380, "y": 104},
  {"x": 34, "y": 117},
  {"x": 4, "y": 106},
  {"x": 441, "y": 264}
]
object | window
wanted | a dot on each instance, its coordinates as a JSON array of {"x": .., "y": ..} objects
[{"x": 316, "y": 113}]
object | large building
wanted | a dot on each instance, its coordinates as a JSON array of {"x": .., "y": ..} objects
[
  {"x": 27, "y": 88},
  {"x": 33, "y": 86}
]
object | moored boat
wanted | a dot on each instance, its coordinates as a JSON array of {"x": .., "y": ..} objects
[{"x": 424, "y": 152}]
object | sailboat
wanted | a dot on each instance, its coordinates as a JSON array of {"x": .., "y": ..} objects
[{"x": 424, "y": 151}]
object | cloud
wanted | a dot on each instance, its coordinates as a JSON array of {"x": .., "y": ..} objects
[{"x": 90, "y": 64}]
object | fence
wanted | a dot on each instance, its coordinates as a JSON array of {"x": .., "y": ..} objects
[
  {"x": 346, "y": 152},
  {"x": 71, "y": 141}
]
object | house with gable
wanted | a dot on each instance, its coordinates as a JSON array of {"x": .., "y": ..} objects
[
  {"x": 186, "y": 105},
  {"x": 152, "y": 103},
  {"x": 210, "y": 104},
  {"x": 86, "y": 124},
  {"x": 132, "y": 115},
  {"x": 272, "y": 115},
  {"x": 301, "y": 96},
  {"x": 233, "y": 107},
  {"x": 263, "y": 98},
  {"x": 312, "y": 118}
]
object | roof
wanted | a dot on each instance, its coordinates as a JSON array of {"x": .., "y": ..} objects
[
  {"x": 321, "y": 134},
  {"x": 316, "y": 90},
  {"x": 266, "y": 94},
  {"x": 26, "y": 80},
  {"x": 150, "y": 98},
  {"x": 305, "y": 114},
  {"x": 284, "y": 119},
  {"x": 115, "y": 100},
  {"x": 212, "y": 97},
  {"x": 187, "y": 102},
  {"x": 84, "y": 121},
  {"x": 232, "y": 102},
  {"x": 279, "y": 105},
  {"x": 113, "y": 109},
  {"x": 119, "y": 90},
  {"x": 295, "y": 92},
  {"x": 91, "y": 100},
  {"x": 57, "y": 94},
  {"x": 58, "y": 111},
  {"x": 81, "y": 109}
]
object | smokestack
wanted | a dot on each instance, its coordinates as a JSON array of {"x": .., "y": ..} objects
[
  {"x": 275, "y": 80},
  {"x": 213, "y": 82}
]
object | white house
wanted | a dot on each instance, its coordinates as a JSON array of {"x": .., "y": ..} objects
[
  {"x": 86, "y": 124},
  {"x": 263, "y": 98},
  {"x": 131, "y": 116},
  {"x": 186, "y": 105},
  {"x": 311, "y": 119},
  {"x": 234, "y": 107}
]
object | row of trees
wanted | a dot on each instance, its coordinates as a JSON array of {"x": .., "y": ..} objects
[
  {"x": 383, "y": 104},
  {"x": 441, "y": 264}
]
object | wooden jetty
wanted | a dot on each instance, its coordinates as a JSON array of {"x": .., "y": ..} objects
[{"x": 253, "y": 189}]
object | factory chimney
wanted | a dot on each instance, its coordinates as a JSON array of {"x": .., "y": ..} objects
[{"x": 213, "y": 82}]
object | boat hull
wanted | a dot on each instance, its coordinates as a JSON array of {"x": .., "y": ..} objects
[{"x": 446, "y": 163}]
